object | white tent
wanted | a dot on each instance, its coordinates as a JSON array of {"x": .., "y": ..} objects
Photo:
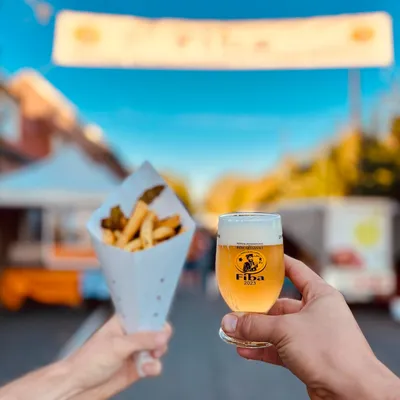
[{"x": 68, "y": 178}]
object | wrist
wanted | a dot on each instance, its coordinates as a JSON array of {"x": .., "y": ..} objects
[
  {"x": 55, "y": 382},
  {"x": 386, "y": 384},
  {"x": 63, "y": 381},
  {"x": 374, "y": 382}
]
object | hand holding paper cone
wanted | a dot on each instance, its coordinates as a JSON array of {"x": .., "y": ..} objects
[
  {"x": 142, "y": 234},
  {"x": 102, "y": 366}
]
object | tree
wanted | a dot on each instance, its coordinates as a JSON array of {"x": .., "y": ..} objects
[
  {"x": 179, "y": 186},
  {"x": 379, "y": 170},
  {"x": 395, "y": 129}
]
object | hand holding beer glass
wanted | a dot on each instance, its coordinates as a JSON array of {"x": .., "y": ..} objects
[{"x": 249, "y": 265}]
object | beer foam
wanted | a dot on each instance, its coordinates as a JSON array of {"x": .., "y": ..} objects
[{"x": 250, "y": 229}]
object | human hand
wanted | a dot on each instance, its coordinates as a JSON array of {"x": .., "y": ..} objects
[
  {"x": 317, "y": 339},
  {"x": 104, "y": 366}
]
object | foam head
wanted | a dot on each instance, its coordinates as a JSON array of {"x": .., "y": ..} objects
[{"x": 249, "y": 229}]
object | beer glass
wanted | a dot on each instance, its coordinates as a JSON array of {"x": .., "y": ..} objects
[{"x": 249, "y": 265}]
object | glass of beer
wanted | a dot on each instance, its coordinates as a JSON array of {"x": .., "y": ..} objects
[{"x": 249, "y": 264}]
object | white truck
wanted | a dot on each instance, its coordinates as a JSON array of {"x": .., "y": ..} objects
[{"x": 351, "y": 241}]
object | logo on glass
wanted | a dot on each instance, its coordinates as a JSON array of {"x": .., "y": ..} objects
[{"x": 250, "y": 262}]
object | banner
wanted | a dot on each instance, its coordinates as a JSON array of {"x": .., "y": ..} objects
[
  {"x": 116, "y": 41},
  {"x": 358, "y": 241}
]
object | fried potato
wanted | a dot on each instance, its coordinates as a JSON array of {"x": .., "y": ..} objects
[
  {"x": 142, "y": 230},
  {"x": 163, "y": 233},
  {"x": 115, "y": 221},
  {"x": 151, "y": 194},
  {"x": 172, "y": 221},
  {"x": 134, "y": 223},
  {"x": 182, "y": 229},
  {"x": 106, "y": 223},
  {"x": 134, "y": 245},
  {"x": 146, "y": 230},
  {"x": 122, "y": 222},
  {"x": 108, "y": 237}
]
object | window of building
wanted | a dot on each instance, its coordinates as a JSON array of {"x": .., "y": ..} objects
[
  {"x": 70, "y": 228},
  {"x": 31, "y": 226},
  {"x": 9, "y": 117}
]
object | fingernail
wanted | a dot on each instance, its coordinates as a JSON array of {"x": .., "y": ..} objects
[
  {"x": 151, "y": 369},
  {"x": 229, "y": 323},
  {"x": 161, "y": 339}
]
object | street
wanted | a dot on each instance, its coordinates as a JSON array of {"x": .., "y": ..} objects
[{"x": 198, "y": 366}]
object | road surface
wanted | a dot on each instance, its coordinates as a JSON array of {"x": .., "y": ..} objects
[{"x": 198, "y": 366}]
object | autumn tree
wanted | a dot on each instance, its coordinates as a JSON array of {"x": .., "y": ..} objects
[
  {"x": 379, "y": 170},
  {"x": 178, "y": 185}
]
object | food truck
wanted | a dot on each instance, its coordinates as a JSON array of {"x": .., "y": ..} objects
[
  {"x": 351, "y": 240},
  {"x": 47, "y": 250},
  {"x": 55, "y": 169}
]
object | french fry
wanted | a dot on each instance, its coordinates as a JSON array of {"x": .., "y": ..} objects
[
  {"x": 134, "y": 245},
  {"x": 122, "y": 222},
  {"x": 133, "y": 225},
  {"x": 108, "y": 237},
  {"x": 115, "y": 217},
  {"x": 163, "y": 233},
  {"x": 151, "y": 194},
  {"x": 171, "y": 222},
  {"x": 115, "y": 221},
  {"x": 146, "y": 230},
  {"x": 182, "y": 230},
  {"x": 106, "y": 223},
  {"x": 142, "y": 230}
]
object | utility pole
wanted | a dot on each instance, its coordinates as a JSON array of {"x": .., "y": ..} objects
[
  {"x": 284, "y": 150},
  {"x": 355, "y": 99},
  {"x": 355, "y": 102}
]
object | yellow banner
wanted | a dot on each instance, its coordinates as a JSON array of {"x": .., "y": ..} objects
[{"x": 109, "y": 41}]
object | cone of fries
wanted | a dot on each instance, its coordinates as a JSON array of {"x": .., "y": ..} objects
[{"x": 141, "y": 235}]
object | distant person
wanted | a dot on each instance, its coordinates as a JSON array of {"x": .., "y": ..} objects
[
  {"x": 210, "y": 281},
  {"x": 196, "y": 257},
  {"x": 394, "y": 303},
  {"x": 318, "y": 340},
  {"x": 100, "y": 369}
]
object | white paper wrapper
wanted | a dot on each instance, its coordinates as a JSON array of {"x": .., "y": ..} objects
[{"x": 142, "y": 284}]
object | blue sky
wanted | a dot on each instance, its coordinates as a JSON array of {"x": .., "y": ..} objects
[{"x": 199, "y": 124}]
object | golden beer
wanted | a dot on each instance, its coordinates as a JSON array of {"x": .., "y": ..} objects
[
  {"x": 250, "y": 278},
  {"x": 249, "y": 264}
]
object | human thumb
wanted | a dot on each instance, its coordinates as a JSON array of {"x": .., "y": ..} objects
[{"x": 254, "y": 327}]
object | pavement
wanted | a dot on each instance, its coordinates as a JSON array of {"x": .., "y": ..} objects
[
  {"x": 33, "y": 337},
  {"x": 198, "y": 366}
]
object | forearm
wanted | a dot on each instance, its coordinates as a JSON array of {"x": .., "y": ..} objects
[
  {"x": 376, "y": 382},
  {"x": 54, "y": 382},
  {"x": 385, "y": 385}
]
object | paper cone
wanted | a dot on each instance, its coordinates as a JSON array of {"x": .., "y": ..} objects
[{"x": 142, "y": 284}]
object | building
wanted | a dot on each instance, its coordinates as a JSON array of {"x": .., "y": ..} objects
[
  {"x": 41, "y": 136},
  {"x": 11, "y": 157},
  {"x": 47, "y": 120}
]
